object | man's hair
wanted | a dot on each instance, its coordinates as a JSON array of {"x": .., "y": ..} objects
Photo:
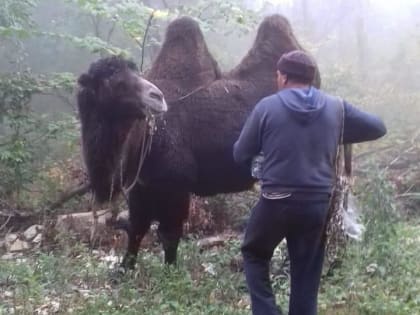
[{"x": 298, "y": 66}]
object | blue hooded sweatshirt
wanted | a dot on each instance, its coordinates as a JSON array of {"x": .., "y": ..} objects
[{"x": 298, "y": 131}]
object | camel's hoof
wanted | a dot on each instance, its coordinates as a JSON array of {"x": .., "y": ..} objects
[
  {"x": 116, "y": 275},
  {"x": 128, "y": 263}
]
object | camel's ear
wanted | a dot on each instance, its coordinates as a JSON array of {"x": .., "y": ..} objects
[
  {"x": 86, "y": 94},
  {"x": 85, "y": 81}
]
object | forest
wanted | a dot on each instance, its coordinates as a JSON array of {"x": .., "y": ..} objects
[{"x": 368, "y": 53}]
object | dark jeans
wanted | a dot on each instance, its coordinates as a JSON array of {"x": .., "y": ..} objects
[{"x": 301, "y": 222}]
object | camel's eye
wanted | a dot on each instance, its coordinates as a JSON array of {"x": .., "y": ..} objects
[{"x": 156, "y": 96}]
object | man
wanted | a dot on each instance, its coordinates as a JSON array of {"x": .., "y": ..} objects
[{"x": 298, "y": 130}]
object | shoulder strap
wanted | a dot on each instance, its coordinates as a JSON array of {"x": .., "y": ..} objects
[
  {"x": 339, "y": 151},
  {"x": 343, "y": 149},
  {"x": 343, "y": 114},
  {"x": 347, "y": 148}
]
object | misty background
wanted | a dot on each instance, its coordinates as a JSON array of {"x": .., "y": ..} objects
[
  {"x": 368, "y": 44},
  {"x": 368, "y": 53}
]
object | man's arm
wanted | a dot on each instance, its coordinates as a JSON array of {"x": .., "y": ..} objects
[
  {"x": 249, "y": 143},
  {"x": 361, "y": 126}
]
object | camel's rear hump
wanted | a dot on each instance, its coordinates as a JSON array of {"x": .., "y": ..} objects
[{"x": 274, "y": 38}]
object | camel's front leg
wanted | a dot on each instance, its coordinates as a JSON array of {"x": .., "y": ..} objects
[
  {"x": 136, "y": 232},
  {"x": 140, "y": 219}
]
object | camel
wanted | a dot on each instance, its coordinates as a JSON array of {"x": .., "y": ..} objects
[{"x": 191, "y": 148}]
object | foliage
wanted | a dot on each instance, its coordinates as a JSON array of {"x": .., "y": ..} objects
[
  {"x": 381, "y": 219},
  {"x": 25, "y": 134},
  {"x": 396, "y": 156},
  {"x": 213, "y": 14},
  {"x": 73, "y": 279},
  {"x": 379, "y": 276},
  {"x": 143, "y": 24},
  {"x": 365, "y": 286},
  {"x": 16, "y": 13},
  {"x": 23, "y": 131}
]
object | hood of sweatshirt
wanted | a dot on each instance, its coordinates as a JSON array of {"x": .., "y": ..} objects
[{"x": 305, "y": 104}]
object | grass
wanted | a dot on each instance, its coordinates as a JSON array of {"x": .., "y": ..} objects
[
  {"x": 84, "y": 284},
  {"x": 379, "y": 275},
  {"x": 77, "y": 281},
  {"x": 365, "y": 285}
]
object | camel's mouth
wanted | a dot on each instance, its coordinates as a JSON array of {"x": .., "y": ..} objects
[{"x": 152, "y": 99}]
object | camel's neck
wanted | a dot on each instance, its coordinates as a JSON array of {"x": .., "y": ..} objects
[
  {"x": 110, "y": 151},
  {"x": 133, "y": 153}
]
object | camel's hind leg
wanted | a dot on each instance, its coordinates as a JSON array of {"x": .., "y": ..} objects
[{"x": 173, "y": 211}]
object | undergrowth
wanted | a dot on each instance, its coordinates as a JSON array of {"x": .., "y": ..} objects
[
  {"x": 379, "y": 275},
  {"x": 374, "y": 279}
]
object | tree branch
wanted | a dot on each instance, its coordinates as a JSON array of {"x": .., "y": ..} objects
[
  {"x": 111, "y": 32},
  {"x": 63, "y": 98},
  {"x": 69, "y": 194},
  {"x": 95, "y": 22},
  {"x": 146, "y": 32}
]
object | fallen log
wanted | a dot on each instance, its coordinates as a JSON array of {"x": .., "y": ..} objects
[
  {"x": 69, "y": 194},
  {"x": 81, "y": 224},
  {"x": 16, "y": 220}
]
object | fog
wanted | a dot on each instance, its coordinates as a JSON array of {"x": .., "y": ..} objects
[
  {"x": 368, "y": 52},
  {"x": 365, "y": 48}
]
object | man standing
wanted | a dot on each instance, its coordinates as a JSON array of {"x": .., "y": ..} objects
[{"x": 298, "y": 130}]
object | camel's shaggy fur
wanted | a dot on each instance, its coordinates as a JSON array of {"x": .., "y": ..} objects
[
  {"x": 192, "y": 146},
  {"x": 106, "y": 102},
  {"x": 184, "y": 62}
]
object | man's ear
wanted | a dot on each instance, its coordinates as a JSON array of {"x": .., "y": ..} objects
[{"x": 280, "y": 80}]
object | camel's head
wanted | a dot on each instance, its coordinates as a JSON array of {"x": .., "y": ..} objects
[
  {"x": 113, "y": 88},
  {"x": 112, "y": 99}
]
